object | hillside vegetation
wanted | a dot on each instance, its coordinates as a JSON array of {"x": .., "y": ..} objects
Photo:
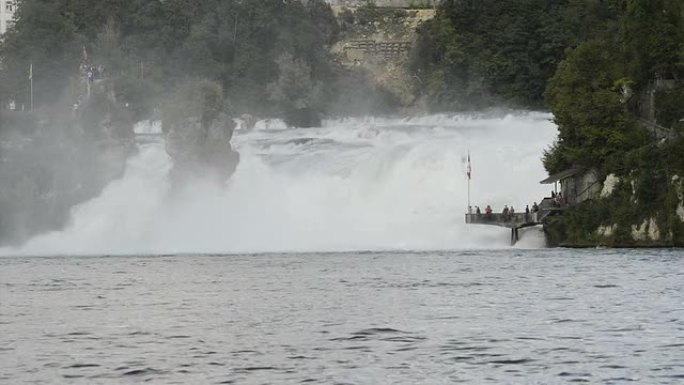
[{"x": 148, "y": 47}]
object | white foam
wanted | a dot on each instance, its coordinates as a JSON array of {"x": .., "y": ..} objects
[{"x": 354, "y": 184}]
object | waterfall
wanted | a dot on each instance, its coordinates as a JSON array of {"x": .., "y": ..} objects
[{"x": 353, "y": 184}]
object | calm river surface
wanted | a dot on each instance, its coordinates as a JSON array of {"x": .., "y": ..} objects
[{"x": 477, "y": 317}]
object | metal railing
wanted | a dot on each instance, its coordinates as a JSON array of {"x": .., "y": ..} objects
[{"x": 516, "y": 220}]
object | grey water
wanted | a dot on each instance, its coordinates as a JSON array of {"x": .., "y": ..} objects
[{"x": 546, "y": 316}]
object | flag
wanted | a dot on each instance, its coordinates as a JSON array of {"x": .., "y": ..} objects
[
  {"x": 468, "y": 170},
  {"x": 85, "y": 55},
  {"x": 31, "y": 71}
]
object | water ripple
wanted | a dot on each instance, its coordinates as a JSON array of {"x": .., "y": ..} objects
[{"x": 475, "y": 317}]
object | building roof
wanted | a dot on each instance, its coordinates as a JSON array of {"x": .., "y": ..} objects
[{"x": 562, "y": 175}]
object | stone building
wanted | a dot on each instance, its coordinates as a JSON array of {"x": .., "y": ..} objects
[
  {"x": 7, "y": 9},
  {"x": 576, "y": 185}
]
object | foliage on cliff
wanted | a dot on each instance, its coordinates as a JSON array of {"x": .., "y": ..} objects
[
  {"x": 601, "y": 95},
  {"x": 587, "y": 99},
  {"x": 644, "y": 208},
  {"x": 599, "y": 90}
]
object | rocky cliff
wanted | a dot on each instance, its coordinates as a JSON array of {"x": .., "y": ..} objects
[
  {"x": 378, "y": 40},
  {"x": 642, "y": 205}
]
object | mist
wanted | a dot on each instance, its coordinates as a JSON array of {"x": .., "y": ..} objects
[
  {"x": 353, "y": 184},
  {"x": 47, "y": 167}
]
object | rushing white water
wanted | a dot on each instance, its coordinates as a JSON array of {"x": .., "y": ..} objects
[{"x": 354, "y": 184}]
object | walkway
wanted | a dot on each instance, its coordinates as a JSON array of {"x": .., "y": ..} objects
[{"x": 517, "y": 221}]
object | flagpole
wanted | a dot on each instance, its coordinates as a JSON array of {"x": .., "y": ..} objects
[
  {"x": 469, "y": 196},
  {"x": 469, "y": 171},
  {"x": 31, "y": 81}
]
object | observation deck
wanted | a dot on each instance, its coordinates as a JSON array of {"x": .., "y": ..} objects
[
  {"x": 517, "y": 221},
  {"x": 511, "y": 221}
]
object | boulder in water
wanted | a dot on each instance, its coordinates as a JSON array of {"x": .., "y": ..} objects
[{"x": 199, "y": 131}]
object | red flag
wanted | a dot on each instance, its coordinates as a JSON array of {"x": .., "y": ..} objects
[
  {"x": 31, "y": 71},
  {"x": 468, "y": 170}
]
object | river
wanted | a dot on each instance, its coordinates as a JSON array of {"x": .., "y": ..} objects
[{"x": 476, "y": 317}]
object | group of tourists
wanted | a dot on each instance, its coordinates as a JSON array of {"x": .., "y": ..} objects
[
  {"x": 487, "y": 210},
  {"x": 507, "y": 212}
]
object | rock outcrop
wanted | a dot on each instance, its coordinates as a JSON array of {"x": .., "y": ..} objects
[
  {"x": 198, "y": 132},
  {"x": 201, "y": 148},
  {"x": 378, "y": 40}
]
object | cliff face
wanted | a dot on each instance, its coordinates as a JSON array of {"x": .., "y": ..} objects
[
  {"x": 378, "y": 40},
  {"x": 642, "y": 206}
]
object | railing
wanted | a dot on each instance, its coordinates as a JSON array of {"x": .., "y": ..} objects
[
  {"x": 387, "y": 49},
  {"x": 516, "y": 220}
]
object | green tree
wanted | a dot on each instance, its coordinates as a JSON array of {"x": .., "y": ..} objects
[
  {"x": 165, "y": 42},
  {"x": 493, "y": 52},
  {"x": 652, "y": 32},
  {"x": 586, "y": 99},
  {"x": 47, "y": 38}
]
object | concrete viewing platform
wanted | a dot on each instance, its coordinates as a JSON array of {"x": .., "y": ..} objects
[
  {"x": 576, "y": 185},
  {"x": 514, "y": 221},
  {"x": 517, "y": 221}
]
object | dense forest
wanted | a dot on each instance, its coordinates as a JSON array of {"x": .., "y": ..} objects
[
  {"x": 271, "y": 58},
  {"x": 489, "y": 52}
]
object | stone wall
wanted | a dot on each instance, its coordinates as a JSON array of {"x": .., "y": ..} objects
[
  {"x": 385, "y": 3},
  {"x": 379, "y": 41},
  {"x": 581, "y": 187}
]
